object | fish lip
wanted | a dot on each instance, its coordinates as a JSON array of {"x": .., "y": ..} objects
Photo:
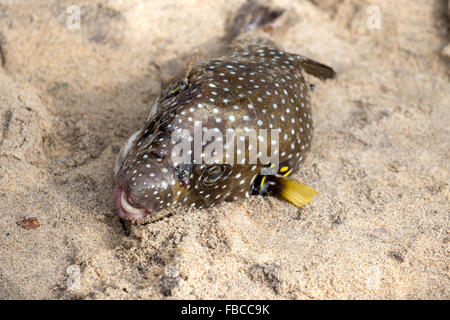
[{"x": 121, "y": 211}]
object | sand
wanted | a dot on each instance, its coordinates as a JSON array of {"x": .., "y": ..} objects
[{"x": 69, "y": 98}]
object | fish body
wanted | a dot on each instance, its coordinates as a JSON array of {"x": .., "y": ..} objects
[{"x": 222, "y": 130}]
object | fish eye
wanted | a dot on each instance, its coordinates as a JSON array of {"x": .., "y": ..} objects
[{"x": 213, "y": 174}]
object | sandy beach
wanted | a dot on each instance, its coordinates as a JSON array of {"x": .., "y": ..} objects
[{"x": 73, "y": 90}]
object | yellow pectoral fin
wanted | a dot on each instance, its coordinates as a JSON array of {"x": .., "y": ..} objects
[{"x": 295, "y": 192}]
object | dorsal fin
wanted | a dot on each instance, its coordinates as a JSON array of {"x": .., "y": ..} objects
[
  {"x": 190, "y": 65},
  {"x": 180, "y": 82}
]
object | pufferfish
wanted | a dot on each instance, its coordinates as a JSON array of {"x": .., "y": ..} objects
[{"x": 256, "y": 89}]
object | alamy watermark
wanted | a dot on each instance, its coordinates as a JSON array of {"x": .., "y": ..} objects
[
  {"x": 235, "y": 146},
  {"x": 373, "y": 280},
  {"x": 374, "y": 20},
  {"x": 74, "y": 280},
  {"x": 74, "y": 20}
]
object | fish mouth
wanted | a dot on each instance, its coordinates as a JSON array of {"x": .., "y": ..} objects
[{"x": 125, "y": 209}]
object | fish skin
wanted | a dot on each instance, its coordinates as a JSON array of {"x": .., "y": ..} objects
[{"x": 256, "y": 85}]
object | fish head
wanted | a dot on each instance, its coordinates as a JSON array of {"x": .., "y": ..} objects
[
  {"x": 145, "y": 175},
  {"x": 150, "y": 176}
]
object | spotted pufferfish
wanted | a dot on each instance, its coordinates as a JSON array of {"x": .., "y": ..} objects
[{"x": 255, "y": 86}]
